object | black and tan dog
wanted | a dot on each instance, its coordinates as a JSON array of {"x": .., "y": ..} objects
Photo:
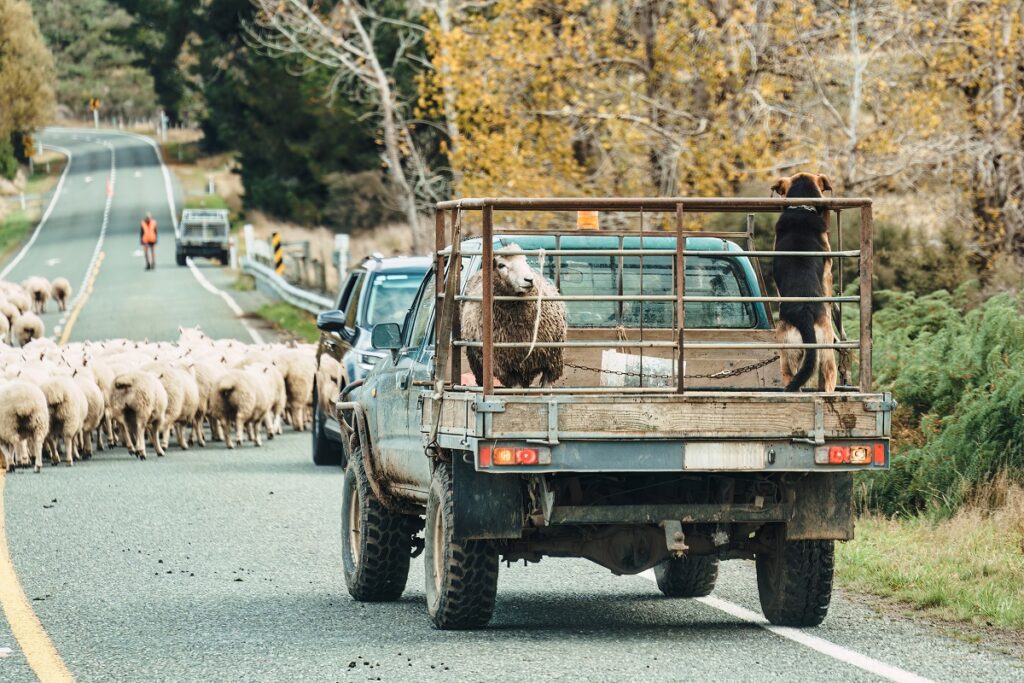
[{"x": 804, "y": 228}]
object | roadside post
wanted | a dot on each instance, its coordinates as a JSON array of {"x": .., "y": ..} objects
[
  {"x": 94, "y": 107},
  {"x": 275, "y": 244},
  {"x": 341, "y": 256}
]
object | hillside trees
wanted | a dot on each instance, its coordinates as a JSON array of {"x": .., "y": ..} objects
[
  {"x": 91, "y": 44},
  {"x": 366, "y": 48},
  {"x": 26, "y": 77}
]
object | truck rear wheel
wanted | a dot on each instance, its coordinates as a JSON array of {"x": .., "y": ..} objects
[
  {"x": 179, "y": 257},
  {"x": 462, "y": 577},
  {"x": 794, "y": 582},
  {"x": 687, "y": 577},
  {"x": 376, "y": 543}
]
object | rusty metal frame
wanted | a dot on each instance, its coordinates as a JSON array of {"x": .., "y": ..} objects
[{"x": 679, "y": 206}]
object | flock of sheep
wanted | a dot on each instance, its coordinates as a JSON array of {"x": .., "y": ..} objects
[
  {"x": 75, "y": 399},
  {"x": 20, "y": 306}
]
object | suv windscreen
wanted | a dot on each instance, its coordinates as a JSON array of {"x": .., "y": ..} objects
[{"x": 390, "y": 297}]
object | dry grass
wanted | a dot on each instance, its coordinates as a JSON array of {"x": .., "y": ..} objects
[
  {"x": 392, "y": 239},
  {"x": 966, "y": 569}
]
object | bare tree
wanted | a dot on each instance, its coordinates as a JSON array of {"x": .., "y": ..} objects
[{"x": 345, "y": 39}]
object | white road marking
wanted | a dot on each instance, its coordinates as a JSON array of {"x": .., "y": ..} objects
[
  {"x": 46, "y": 214},
  {"x": 138, "y": 174},
  {"x": 257, "y": 338},
  {"x": 51, "y": 262},
  {"x": 88, "y": 179},
  {"x": 825, "y": 647}
]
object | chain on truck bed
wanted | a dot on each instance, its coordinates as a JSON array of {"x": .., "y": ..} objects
[{"x": 722, "y": 374}]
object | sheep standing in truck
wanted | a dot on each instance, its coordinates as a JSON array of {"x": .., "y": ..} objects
[{"x": 516, "y": 321}]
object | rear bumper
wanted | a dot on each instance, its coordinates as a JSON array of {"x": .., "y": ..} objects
[
  {"x": 202, "y": 249},
  {"x": 647, "y": 456}
]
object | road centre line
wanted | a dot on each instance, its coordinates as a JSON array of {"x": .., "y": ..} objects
[
  {"x": 802, "y": 637},
  {"x": 84, "y": 294},
  {"x": 46, "y": 214},
  {"x": 39, "y": 651}
]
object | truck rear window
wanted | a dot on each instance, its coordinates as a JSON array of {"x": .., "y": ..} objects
[{"x": 705, "y": 276}]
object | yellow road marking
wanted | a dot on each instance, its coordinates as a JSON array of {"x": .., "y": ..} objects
[
  {"x": 66, "y": 332},
  {"x": 37, "y": 647}
]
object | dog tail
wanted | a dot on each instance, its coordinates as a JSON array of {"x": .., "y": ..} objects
[{"x": 804, "y": 323}]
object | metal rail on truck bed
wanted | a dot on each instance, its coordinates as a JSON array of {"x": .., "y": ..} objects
[{"x": 674, "y": 424}]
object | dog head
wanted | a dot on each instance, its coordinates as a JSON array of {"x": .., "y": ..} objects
[{"x": 802, "y": 185}]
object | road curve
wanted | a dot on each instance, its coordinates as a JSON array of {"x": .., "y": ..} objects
[{"x": 215, "y": 565}]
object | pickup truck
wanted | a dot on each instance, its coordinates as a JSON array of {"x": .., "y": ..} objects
[
  {"x": 203, "y": 232},
  {"x": 625, "y": 460}
]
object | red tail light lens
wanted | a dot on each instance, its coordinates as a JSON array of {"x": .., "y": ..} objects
[
  {"x": 838, "y": 455},
  {"x": 526, "y": 456},
  {"x": 880, "y": 454}
]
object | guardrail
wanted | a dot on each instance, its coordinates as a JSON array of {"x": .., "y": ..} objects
[{"x": 281, "y": 288}]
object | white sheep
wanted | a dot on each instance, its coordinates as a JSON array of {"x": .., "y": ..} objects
[
  {"x": 68, "y": 408},
  {"x": 139, "y": 405},
  {"x": 27, "y": 327},
  {"x": 24, "y": 422},
  {"x": 38, "y": 290},
  {"x": 241, "y": 403},
  {"x": 60, "y": 290},
  {"x": 299, "y": 368}
]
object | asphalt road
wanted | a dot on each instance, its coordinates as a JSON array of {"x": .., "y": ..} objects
[{"x": 216, "y": 565}]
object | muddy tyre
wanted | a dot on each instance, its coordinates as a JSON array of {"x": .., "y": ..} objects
[
  {"x": 179, "y": 258},
  {"x": 462, "y": 577},
  {"x": 376, "y": 543},
  {"x": 794, "y": 582},
  {"x": 687, "y": 577}
]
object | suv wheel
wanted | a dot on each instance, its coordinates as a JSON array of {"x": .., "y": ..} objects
[
  {"x": 462, "y": 577},
  {"x": 376, "y": 543},
  {"x": 687, "y": 577},
  {"x": 325, "y": 451},
  {"x": 794, "y": 581}
]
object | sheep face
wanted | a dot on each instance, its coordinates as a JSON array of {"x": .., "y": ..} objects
[{"x": 512, "y": 273}]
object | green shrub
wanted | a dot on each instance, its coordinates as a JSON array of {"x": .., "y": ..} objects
[{"x": 959, "y": 378}]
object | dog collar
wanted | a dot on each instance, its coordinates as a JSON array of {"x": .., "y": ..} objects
[{"x": 802, "y": 207}]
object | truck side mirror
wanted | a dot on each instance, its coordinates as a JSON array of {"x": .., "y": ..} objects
[
  {"x": 387, "y": 336},
  {"x": 331, "y": 321}
]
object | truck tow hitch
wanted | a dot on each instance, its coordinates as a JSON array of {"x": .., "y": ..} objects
[{"x": 675, "y": 539}]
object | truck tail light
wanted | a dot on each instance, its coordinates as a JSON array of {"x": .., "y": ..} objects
[
  {"x": 838, "y": 455},
  {"x": 851, "y": 454},
  {"x": 504, "y": 456},
  {"x": 526, "y": 456}
]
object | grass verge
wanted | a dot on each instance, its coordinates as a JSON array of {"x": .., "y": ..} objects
[
  {"x": 14, "y": 228},
  {"x": 965, "y": 570},
  {"x": 291, "y": 319}
]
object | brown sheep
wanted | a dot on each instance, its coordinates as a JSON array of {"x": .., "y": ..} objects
[{"x": 514, "y": 321}]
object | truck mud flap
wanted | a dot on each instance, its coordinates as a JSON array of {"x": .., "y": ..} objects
[
  {"x": 486, "y": 505},
  {"x": 822, "y": 507}
]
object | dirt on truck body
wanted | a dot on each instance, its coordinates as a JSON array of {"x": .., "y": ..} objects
[{"x": 667, "y": 442}]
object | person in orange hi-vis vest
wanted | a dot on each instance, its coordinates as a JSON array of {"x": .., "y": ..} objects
[{"x": 147, "y": 236}]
